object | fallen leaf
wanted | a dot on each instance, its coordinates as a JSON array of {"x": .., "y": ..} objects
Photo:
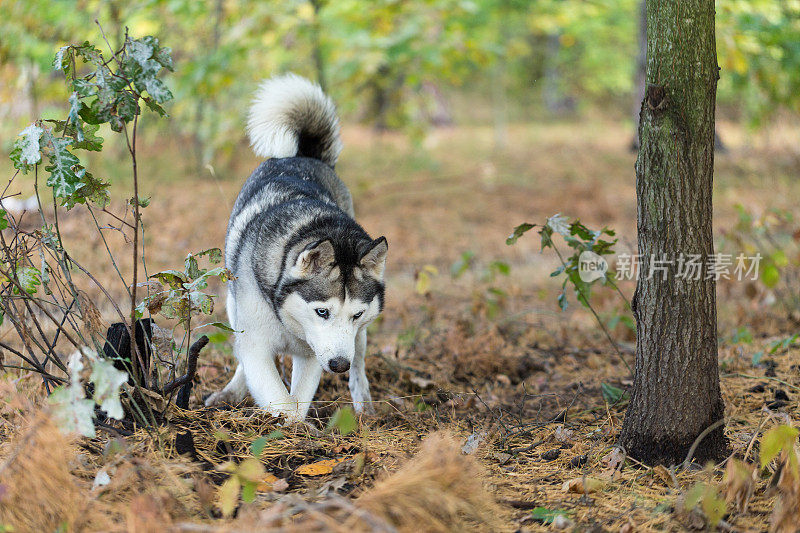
[
  {"x": 562, "y": 434},
  {"x": 471, "y": 445},
  {"x": 267, "y": 482},
  {"x": 582, "y": 485},
  {"x": 320, "y": 468},
  {"x": 422, "y": 383},
  {"x": 739, "y": 483},
  {"x": 660, "y": 472},
  {"x": 280, "y": 485},
  {"x": 101, "y": 479}
]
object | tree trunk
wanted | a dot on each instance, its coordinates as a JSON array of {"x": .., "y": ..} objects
[
  {"x": 676, "y": 394},
  {"x": 316, "y": 45},
  {"x": 639, "y": 75},
  {"x": 639, "y": 83}
]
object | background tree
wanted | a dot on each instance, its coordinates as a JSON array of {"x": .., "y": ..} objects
[{"x": 676, "y": 394}]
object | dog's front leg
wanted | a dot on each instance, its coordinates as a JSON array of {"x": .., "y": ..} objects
[
  {"x": 359, "y": 386},
  {"x": 263, "y": 379},
  {"x": 306, "y": 373}
]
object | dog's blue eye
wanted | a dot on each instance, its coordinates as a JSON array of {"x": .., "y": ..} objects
[
  {"x": 324, "y": 313},
  {"x": 358, "y": 315}
]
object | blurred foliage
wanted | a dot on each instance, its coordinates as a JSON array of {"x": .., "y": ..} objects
[{"x": 387, "y": 62}]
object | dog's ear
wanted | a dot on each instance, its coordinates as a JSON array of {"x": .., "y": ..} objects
[
  {"x": 373, "y": 260},
  {"x": 316, "y": 258}
]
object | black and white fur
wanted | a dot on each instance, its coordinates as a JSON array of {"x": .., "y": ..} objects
[{"x": 308, "y": 279}]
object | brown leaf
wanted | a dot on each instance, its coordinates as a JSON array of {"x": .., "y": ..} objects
[
  {"x": 267, "y": 483},
  {"x": 280, "y": 485},
  {"x": 582, "y": 485},
  {"x": 320, "y": 468},
  {"x": 786, "y": 514},
  {"x": 661, "y": 473},
  {"x": 739, "y": 483}
]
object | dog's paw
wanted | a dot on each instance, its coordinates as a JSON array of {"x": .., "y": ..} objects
[
  {"x": 364, "y": 405},
  {"x": 289, "y": 410},
  {"x": 221, "y": 398}
]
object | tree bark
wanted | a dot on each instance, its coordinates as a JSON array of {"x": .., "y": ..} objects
[{"x": 676, "y": 393}]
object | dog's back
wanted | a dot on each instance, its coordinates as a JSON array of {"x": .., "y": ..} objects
[{"x": 294, "y": 124}]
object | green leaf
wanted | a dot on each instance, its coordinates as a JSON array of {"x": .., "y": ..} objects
[
  {"x": 71, "y": 411},
  {"x": 275, "y": 434},
  {"x": 107, "y": 381},
  {"x": 27, "y": 150},
  {"x": 90, "y": 141},
  {"x": 501, "y": 267},
  {"x": 63, "y": 166},
  {"x": 257, "y": 446},
  {"x": 191, "y": 267},
  {"x": 249, "y": 491},
  {"x": 462, "y": 264},
  {"x": 153, "y": 106},
  {"x": 612, "y": 394},
  {"x": 93, "y": 189},
  {"x": 770, "y": 275},
  {"x": 518, "y": 232},
  {"x": 202, "y": 302},
  {"x": 29, "y": 278},
  {"x": 344, "y": 420},
  {"x": 214, "y": 255},
  {"x": 173, "y": 278},
  {"x": 222, "y": 325},
  {"x": 776, "y": 439},
  {"x": 562, "y": 300},
  {"x": 546, "y": 516},
  {"x": 3, "y": 220}
]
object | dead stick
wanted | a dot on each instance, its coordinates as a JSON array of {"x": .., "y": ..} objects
[{"x": 191, "y": 367}]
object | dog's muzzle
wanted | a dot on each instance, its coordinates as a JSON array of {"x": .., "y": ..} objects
[{"x": 339, "y": 365}]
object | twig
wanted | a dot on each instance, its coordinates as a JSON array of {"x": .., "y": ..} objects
[
  {"x": 697, "y": 441},
  {"x": 191, "y": 367}
]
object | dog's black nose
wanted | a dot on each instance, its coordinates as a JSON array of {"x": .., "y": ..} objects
[{"x": 339, "y": 364}]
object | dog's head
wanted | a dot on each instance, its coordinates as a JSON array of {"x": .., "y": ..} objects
[{"x": 332, "y": 292}]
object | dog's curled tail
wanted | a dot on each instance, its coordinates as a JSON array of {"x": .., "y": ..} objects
[{"x": 290, "y": 116}]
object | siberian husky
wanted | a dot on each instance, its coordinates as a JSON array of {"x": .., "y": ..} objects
[{"x": 308, "y": 279}]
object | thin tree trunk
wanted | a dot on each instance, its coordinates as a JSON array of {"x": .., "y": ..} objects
[
  {"x": 639, "y": 83},
  {"x": 676, "y": 393},
  {"x": 639, "y": 76},
  {"x": 202, "y": 140},
  {"x": 500, "y": 104},
  {"x": 316, "y": 37}
]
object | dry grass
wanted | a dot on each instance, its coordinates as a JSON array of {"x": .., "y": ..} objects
[
  {"x": 38, "y": 490},
  {"x": 440, "y": 488}
]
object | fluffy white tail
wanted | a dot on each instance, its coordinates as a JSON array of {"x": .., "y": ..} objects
[{"x": 290, "y": 116}]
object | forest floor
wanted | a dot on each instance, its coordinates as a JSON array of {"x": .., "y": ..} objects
[{"x": 518, "y": 401}]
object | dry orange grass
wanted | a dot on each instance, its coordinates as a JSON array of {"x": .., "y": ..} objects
[
  {"x": 440, "y": 489},
  {"x": 38, "y": 491}
]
